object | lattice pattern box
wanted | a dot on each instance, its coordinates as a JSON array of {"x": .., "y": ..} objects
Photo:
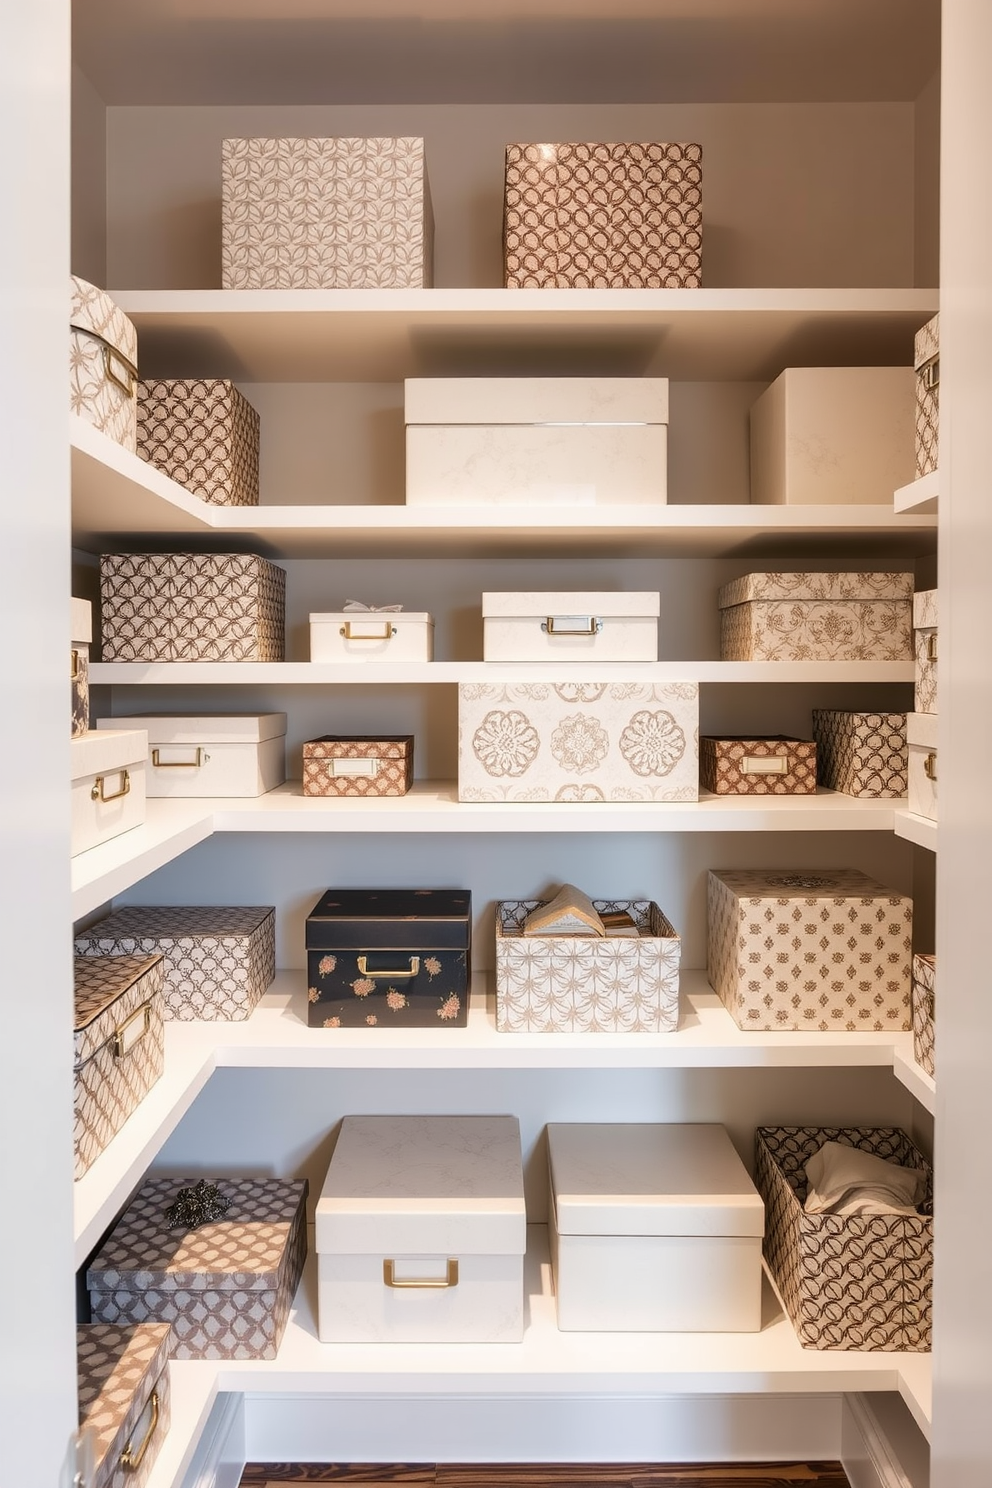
[
  {"x": 817, "y": 617},
  {"x": 103, "y": 356},
  {"x": 124, "y": 1398},
  {"x": 204, "y": 434},
  {"x": 79, "y": 665},
  {"x": 924, "y": 1007},
  {"x": 348, "y": 765},
  {"x": 926, "y": 361},
  {"x": 772, "y": 766},
  {"x": 862, "y": 754}
]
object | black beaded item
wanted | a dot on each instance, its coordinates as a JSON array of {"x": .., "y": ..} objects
[{"x": 196, "y": 1206}]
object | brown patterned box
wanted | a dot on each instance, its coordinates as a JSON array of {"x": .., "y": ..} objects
[
  {"x": 926, "y": 361},
  {"x": 924, "y": 1003},
  {"x": 79, "y": 665},
  {"x": 858, "y": 1282},
  {"x": 862, "y": 754},
  {"x": 351, "y": 765},
  {"x": 124, "y": 1398},
  {"x": 773, "y": 766},
  {"x": 204, "y": 434},
  {"x": 925, "y": 644},
  {"x": 219, "y": 959},
  {"x": 226, "y": 1288},
  {"x": 603, "y": 216},
  {"x": 103, "y": 356},
  {"x": 119, "y": 1045},
  {"x": 817, "y": 617},
  {"x": 192, "y": 607}
]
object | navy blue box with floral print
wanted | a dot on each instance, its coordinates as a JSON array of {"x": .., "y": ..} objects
[{"x": 389, "y": 958}]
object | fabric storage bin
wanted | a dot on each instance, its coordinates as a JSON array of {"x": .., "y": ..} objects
[
  {"x": 119, "y": 1046},
  {"x": 578, "y": 741},
  {"x": 107, "y": 770},
  {"x": 79, "y": 664},
  {"x": 225, "y": 1288},
  {"x": 857, "y": 1282},
  {"x": 192, "y": 607},
  {"x": 421, "y": 1232},
  {"x": 772, "y": 766},
  {"x": 926, "y": 365},
  {"x": 588, "y": 984},
  {"x": 817, "y": 617},
  {"x": 925, "y": 645},
  {"x": 583, "y": 626},
  {"x": 389, "y": 635},
  {"x": 103, "y": 363},
  {"x": 124, "y": 1399},
  {"x": 564, "y": 441},
  {"x": 217, "y": 755},
  {"x": 861, "y": 754},
  {"x": 204, "y": 434},
  {"x": 219, "y": 959},
  {"x": 924, "y": 1004},
  {"x": 653, "y": 1228},
  {"x": 389, "y": 958},
  {"x": 326, "y": 214},
  {"x": 603, "y": 216},
  {"x": 921, "y": 741},
  {"x": 351, "y": 765},
  {"x": 833, "y": 436},
  {"x": 828, "y": 950}
]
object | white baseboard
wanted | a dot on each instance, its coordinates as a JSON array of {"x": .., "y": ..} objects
[
  {"x": 881, "y": 1445},
  {"x": 220, "y": 1454}
]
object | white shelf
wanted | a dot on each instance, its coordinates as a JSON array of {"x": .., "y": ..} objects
[
  {"x": 170, "y": 828},
  {"x": 919, "y": 498},
  {"x": 193, "y": 1390},
  {"x": 918, "y": 829},
  {"x": 916, "y": 1080}
]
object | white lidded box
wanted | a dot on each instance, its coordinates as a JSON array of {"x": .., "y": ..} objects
[
  {"x": 421, "y": 1231},
  {"x": 921, "y": 739},
  {"x": 107, "y": 768},
  {"x": 79, "y": 664},
  {"x": 371, "y": 636},
  {"x": 233, "y": 754},
  {"x": 925, "y": 647},
  {"x": 562, "y": 441},
  {"x": 554, "y": 625},
  {"x": 653, "y": 1228},
  {"x": 103, "y": 356}
]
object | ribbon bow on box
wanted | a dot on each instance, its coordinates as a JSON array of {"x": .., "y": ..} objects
[{"x": 356, "y": 604}]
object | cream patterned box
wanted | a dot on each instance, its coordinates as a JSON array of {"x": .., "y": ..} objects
[
  {"x": 861, "y": 754},
  {"x": 103, "y": 357},
  {"x": 817, "y": 617},
  {"x": 124, "y": 1398},
  {"x": 926, "y": 362},
  {"x": 925, "y": 645},
  {"x": 79, "y": 664},
  {"x": 924, "y": 1008},
  {"x": 921, "y": 742},
  {"x": 192, "y": 607},
  {"x": 204, "y": 434}
]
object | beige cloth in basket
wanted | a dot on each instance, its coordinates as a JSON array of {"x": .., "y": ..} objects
[{"x": 847, "y": 1180}]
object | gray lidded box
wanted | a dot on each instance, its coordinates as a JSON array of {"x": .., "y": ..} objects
[{"x": 124, "y": 1398}]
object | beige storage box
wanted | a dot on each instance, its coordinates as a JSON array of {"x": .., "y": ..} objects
[
  {"x": 925, "y": 644},
  {"x": 107, "y": 769},
  {"x": 817, "y": 617},
  {"x": 372, "y": 636},
  {"x": 924, "y": 1009},
  {"x": 926, "y": 365},
  {"x": 204, "y": 434},
  {"x": 124, "y": 1399},
  {"x": 353, "y": 765},
  {"x": 103, "y": 363},
  {"x": 583, "y": 626},
  {"x": 921, "y": 740},
  {"x": 861, "y": 754},
  {"x": 772, "y": 766},
  {"x": 79, "y": 665},
  {"x": 217, "y": 755}
]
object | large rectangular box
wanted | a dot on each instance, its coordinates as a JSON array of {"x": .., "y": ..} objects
[
  {"x": 770, "y": 766},
  {"x": 373, "y": 637},
  {"x": 103, "y": 358},
  {"x": 926, "y": 365},
  {"x": 421, "y": 1232},
  {"x": 79, "y": 665},
  {"x": 204, "y": 434},
  {"x": 817, "y": 617},
  {"x": 124, "y": 1399},
  {"x": 552, "y": 625},
  {"x": 343, "y": 213},
  {"x": 107, "y": 770},
  {"x": 353, "y": 765},
  {"x": 653, "y": 1228},
  {"x": 921, "y": 743},
  {"x": 925, "y": 647},
  {"x": 212, "y": 755},
  {"x": 924, "y": 1009},
  {"x": 861, "y": 754}
]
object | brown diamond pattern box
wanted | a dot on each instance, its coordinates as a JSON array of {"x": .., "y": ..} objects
[
  {"x": 103, "y": 356},
  {"x": 603, "y": 216},
  {"x": 219, "y": 959},
  {"x": 924, "y": 1002},
  {"x": 817, "y": 617},
  {"x": 225, "y": 1288},
  {"x": 349, "y": 765},
  {"x": 204, "y": 434},
  {"x": 862, "y": 754},
  {"x": 825, "y": 951},
  {"x": 124, "y": 1398},
  {"x": 925, "y": 643},
  {"x": 860, "y": 1282},
  {"x": 926, "y": 361},
  {"x": 192, "y": 607},
  {"x": 771, "y": 766}
]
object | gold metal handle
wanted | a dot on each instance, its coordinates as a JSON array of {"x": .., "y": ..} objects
[
  {"x": 131, "y": 1457},
  {"x": 763, "y": 764},
  {"x": 433, "y": 1284},
  {"x": 389, "y": 975},
  {"x": 74, "y": 668},
  {"x": 929, "y": 374},
  {"x": 572, "y": 625},
  {"x": 193, "y": 764},
  {"x": 930, "y": 766},
  {"x": 932, "y": 646},
  {"x": 118, "y": 1045},
  {"x": 98, "y": 793},
  {"x": 129, "y": 382},
  {"x": 351, "y": 632}
]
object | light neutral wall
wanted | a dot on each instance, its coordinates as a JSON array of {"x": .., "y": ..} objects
[
  {"x": 89, "y": 180},
  {"x": 927, "y": 128}
]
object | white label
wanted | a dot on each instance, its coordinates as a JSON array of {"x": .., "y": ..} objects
[
  {"x": 337, "y": 767},
  {"x": 757, "y": 764}
]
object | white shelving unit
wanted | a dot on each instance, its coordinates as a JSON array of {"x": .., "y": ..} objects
[{"x": 919, "y": 498}]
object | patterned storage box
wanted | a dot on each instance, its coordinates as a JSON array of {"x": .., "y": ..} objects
[
  {"x": 924, "y": 1003},
  {"x": 326, "y": 214},
  {"x": 226, "y": 1288},
  {"x": 587, "y": 984},
  {"x": 825, "y": 951},
  {"x": 119, "y": 1045},
  {"x": 204, "y": 435},
  {"x": 925, "y": 644},
  {"x": 219, "y": 959},
  {"x": 103, "y": 356},
  {"x": 858, "y": 1282},
  {"x": 124, "y": 1398},
  {"x": 578, "y": 741},
  {"x": 861, "y": 754},
  {"x": 79, "y": 665},
  {"x": 773, "y": 766},
  {"x": 926, "y": 361},
  {"x": 817, "y": 617},
  {"x": 192, "y": 607},
  {"x": 603, "y": 216},
  {"x": 349, "y": 765}
]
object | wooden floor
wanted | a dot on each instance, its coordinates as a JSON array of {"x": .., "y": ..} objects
[{"x": 572, "y": 1475}]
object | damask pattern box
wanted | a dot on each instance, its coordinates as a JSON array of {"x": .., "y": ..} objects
[
  {"x": 925, "y": 644},
  {"x": 124, "y": 1398},
  {"x": 862, "y": 754},
  {"x": 817, "y": 617},
  {"x": 103, "y": 363},
  {"x": 204, "y": 434},
  {"x": 769, "y": 766},
  {"x": 79, "y": 665}
]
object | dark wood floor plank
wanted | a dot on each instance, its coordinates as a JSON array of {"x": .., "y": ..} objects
[
  {"x": 549, "y": 1475},
  {"x": 275, "y": 1474}
]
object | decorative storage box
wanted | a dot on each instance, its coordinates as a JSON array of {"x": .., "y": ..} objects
[
  {"x": 833, "y": 436},
  {"x": 578, "y": 741},
  {"x": 372, "y": 636},
  {"x": 220, "y": 755},
  {"x": 861, "y": 754},
  {"x": 924, "y": 1002},
  {"x": 653, "y": 1229},
  {"x": 79, "y": 665},
  {"x": 925, "y": 643},
  {"x": 556, "y": 626},
  {"x": 350, "y": 765},
  {"x": 219, "y": 959},
  {"x": 108, "y": 785},
  {"x": 921, "y": 740},
  {"x": 421, "y": 1232},
  {"x": 773, "y": 766},
  {"x": 828, "y": 951},
  {"x": 326, "y": 214},
  {"x": 857, "y": 1282},
  {"x": 124, "y": 1398},
  {"x": 603, "y": 216},
  {"x": 204, "y": 434},
  {"x": 389, "y": 958},
  {"x": 926, "y": 363},
  {"x": 119, "y": 1045},
  {"x": 817, "y": 617},
  {"x": 226, "y": 1288},
  {"x": 563, "y": 441},
  {"x": 587, "y": 984},
  {"x": 103, "y": 356}
]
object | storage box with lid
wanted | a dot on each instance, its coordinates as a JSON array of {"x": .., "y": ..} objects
[
  {"x": 817, "y": 617},
  {"x": 924, "y": 1007},
  {"x": 389, "y": 958},
  {"x": 860, "y": 1282},
  {"x": 344, "y": 213},
  {"x": 353, "y": 765},
  {"x": 925, "y": 643},
  {"x": 826, "y": 950},
  {"x": 219, "y": 959},
  {"x": 653, "y": 1228},
  {"x": 79, "y": 665},
  {"x": 204, "y": 434},
  {"x": 103, "y": 363},
  {"x": 583, "y": 740},
  {"x": 372, "y": 635},
  {"x": 770, "y": 766},
  {"x": 603, "y": 216},
  {"x": 226, "y": 1287},
  {"x": 921, "y": 741},
  {"x": 421, "y": 1232},
  {"x": 833, "y": 436},
  {"x": 214, "y": 755},
  {"x": 107, "y": 769},
  {"x": 556, "y": 626},
  {"x": 861, "y": 754},
  {"x": 119, "y": 1046},
  {"x": 192, "y": 607},
  {"x": 561, "y": 441},
  {"x": 124, "y": 1399},
  {"x": 926, "y": 364}
]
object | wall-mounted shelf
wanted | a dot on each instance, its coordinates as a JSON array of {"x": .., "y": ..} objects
[
  {"x": 915, "y": 828},
  {"x": 919, "y": 498}
]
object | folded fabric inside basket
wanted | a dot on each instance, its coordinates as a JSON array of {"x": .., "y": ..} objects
[
  {"x": 570, "y": 912},
  {"x": 848, "y": 1180}
]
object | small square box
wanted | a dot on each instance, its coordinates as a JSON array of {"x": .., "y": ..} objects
[
  {"x": 103, "y": 363},
  {"x": 584, "y": 626},
  {"x": 924, "y": 1008},
  {"x": 351, "y": 765},
  {"x": 925, "y": 644},
  {"x": 124, "y": 1398},
  {"x": 817, "y": 617},
  {"x": 921, "y": 744},
  {"x": 204, "y": 434},
  {"x": 219, "y": 755},
  {"x": 79, "y": 665},
  {"x": 107, "y": 770},
  {"x": 772, "y": 766},
  {"x": 861, "y": 754},
  {"x": 372, "y": 637},
  {"x": 926, "y": 364}
]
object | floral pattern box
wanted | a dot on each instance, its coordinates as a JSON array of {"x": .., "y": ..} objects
[{"x": 817, "y": 617}]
